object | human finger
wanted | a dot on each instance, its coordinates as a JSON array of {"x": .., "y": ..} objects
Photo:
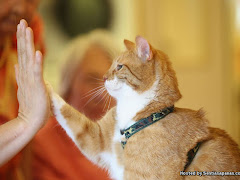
[
  {"x": 19, "y": 48},
  {"x": 38, "y": 66},
  {"x": 30, "y": 46},
  {"x": 23, "y": 42}
]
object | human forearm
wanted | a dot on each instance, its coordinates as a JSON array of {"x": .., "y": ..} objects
[{"x": 15, "y": 134}]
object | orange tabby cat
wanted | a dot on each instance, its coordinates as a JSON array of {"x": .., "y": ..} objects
[{"x": 143, "y": 82}]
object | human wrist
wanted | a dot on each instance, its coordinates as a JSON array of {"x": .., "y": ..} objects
[{"x": 29, "y": 122}]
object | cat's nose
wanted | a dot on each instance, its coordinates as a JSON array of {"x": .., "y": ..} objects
[{"x": 105, "y": 78}]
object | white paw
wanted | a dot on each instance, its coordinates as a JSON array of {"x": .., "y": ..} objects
[
  {"x": 49, "y": 88},
  {"x": 56, "y": 101}
]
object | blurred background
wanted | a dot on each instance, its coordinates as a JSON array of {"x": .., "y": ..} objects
[{"x": 201, "y": 37}]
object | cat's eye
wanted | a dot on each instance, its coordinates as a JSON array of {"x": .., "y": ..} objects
[{"x": 119, "y": 66}]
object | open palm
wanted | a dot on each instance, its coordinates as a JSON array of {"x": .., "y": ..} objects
[{"x": 32, "y": 93}]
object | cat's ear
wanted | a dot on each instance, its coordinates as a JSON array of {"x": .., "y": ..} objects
[
  {"x": 143, "y": 49},
  {"x": 129, "y": 44}
]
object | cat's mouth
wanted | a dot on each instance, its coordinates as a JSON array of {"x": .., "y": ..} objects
[
  {"x": 113, "y": 86},
  {"x": 112, "y": 89}
]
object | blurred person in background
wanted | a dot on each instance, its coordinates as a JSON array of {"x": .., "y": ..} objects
[
  {"x": 55, "y": 156},
  {"x": 11, "y": 11}
]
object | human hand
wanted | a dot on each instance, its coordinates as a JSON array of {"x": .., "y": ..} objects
[{"x": 32, "y": 94}]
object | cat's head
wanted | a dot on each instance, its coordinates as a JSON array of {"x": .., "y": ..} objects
[{"x": 142, "y": 68}]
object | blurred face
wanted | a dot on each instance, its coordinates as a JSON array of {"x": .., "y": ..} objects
[
  {"x": 12, "y": 11},
  {"x": 87, "y": 82}
]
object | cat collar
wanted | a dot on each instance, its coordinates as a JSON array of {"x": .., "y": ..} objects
[{"x": 143, "y": 123}]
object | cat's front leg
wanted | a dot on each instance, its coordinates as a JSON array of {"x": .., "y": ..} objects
[
  {"x": 57, "y": 103},
  {"x": 92, "y": 138}
]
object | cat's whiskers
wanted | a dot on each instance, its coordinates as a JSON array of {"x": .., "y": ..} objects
[
  {"x": 98, "y": 93},
  {"x": 105, "y": 102},
  {"x": 109, "y": 103},
  {"x": 93, "y": 91},
  {"x": 95, "y": 88},
  {"x": 102, "y": 97}
]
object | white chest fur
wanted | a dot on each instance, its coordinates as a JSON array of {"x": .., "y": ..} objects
[
  {"x": 115, "y": 170},
  {"x": 129, "y": 103}
]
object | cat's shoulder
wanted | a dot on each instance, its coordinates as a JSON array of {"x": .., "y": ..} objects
[
  {"x": 185, "y": 113},
  {"x": 187, "y": 118},
  {"x": 190, "y": 112}
]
